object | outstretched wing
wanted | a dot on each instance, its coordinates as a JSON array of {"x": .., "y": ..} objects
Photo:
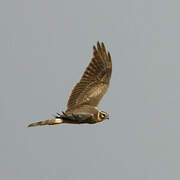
[{"x": 95, "y": 80}]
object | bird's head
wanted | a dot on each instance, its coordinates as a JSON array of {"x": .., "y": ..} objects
[{"x": 102, "y": 116}]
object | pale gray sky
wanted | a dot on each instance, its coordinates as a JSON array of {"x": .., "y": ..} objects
[{"x": 45, "y": 47}]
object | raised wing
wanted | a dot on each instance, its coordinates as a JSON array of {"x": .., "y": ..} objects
[{"x": 95, "y": 80}]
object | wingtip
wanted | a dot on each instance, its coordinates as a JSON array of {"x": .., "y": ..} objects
[
  {"x": 102, "y": 44},
  {"x": 109, "y": 55},
  {"x": 94, "y": 48},
  {"x": 98, "y": 45}
]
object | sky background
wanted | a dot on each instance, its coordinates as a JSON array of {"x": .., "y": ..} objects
[{"x": 45, "y": 48}]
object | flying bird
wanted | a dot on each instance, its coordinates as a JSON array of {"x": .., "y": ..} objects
[{"x": 87, "y": 93}]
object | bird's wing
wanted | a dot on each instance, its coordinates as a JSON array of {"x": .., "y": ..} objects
[{"x": 95, "y": 80}]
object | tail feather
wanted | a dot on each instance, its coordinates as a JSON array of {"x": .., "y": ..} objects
[{"x": 52, "y": 121}]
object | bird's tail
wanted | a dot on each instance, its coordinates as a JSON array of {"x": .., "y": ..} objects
[{"x": 52, "y": 121}]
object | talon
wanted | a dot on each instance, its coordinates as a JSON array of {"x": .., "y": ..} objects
[
  {"x": 74, "y": 115},
  {"x": 64, "y": 113},
  {"x": 57, "y": 115}
]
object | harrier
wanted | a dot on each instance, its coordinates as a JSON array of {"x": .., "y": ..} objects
[{"x": 87, "y": 93}]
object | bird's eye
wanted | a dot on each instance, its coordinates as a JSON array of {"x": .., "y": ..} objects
[{"x": 102, "y": 115}]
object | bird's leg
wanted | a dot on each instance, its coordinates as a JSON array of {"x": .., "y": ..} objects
[
  {"x": 58, "y": 114},
  {"x": 72, "y": 117},
  {"x": 61, "y": 115},
  {"x": 81, "y": 117},
  {"x": 64, "y": 113},
  {"x": 75, "y": 117}
]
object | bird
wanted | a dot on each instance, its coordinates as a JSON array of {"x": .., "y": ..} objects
[{"x": 82, "y": 106}]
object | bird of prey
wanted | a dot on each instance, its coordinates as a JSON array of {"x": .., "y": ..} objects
[{"x": 87, "y": 93}]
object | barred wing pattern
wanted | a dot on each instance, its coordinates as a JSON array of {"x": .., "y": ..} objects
[{"x": 95, "y": 80}]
